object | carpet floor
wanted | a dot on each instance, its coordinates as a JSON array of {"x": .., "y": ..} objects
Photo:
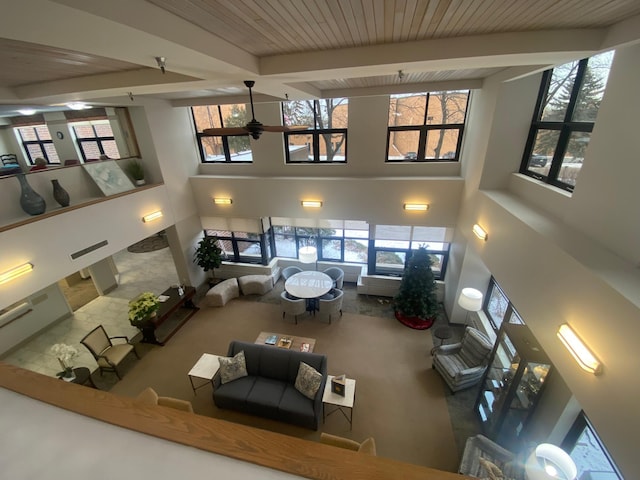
[{"x": 400, "y": 399}]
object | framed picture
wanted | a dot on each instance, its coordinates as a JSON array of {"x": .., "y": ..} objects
[{"x": 109, "y": 177}]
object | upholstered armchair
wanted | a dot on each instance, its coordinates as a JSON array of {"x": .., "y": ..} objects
[
  {"x": 149, "y": 397},
  {"x": 292, "y": 306},
  {"x": 288, "y": 271},
  {"x": 107, "y": 354},
  {"x": 463, "y": 364},
  {"x": 367, "y": 446},
  {"x": 331, "y": 303},
  {"x": 478, "y": 447},
  {"x": 337, "y": 275}
]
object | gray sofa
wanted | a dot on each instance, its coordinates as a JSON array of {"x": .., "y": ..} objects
[{"x": 268, "y": 390}]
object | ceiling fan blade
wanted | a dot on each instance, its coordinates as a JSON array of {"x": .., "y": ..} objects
[
  {"x": 226, "y": 131},
  {"x": 280, "y": 128}
]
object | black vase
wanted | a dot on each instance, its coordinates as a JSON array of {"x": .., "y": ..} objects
[
  {"x": 60, "y": 194},
  {"x": 30, "y": 201}
]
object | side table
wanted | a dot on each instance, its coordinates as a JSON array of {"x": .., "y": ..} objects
[
  {"x": 441, "y": 333},
  {"x": 205, "y": 368},
  {"x": 338, "y": 401},
  {"x": 82, "y": 377}
]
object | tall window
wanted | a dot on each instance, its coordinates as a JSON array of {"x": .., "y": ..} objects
[
  {"x": 588, "y": 452},
  {"x": 426, "y": 127},
  {"x": 36, "y": 141},
  {"x": 335, "y": 240},
  {"x": 568, "y": 103},
  {"x": 498, "y": 308},
  {"x": 222, "y": 148},
  {"x": 393, "y": 245},
  {"x": 325, "y": 140},
  {"x": 95, "y": 138},
  {"x": 245, "y": 247}
]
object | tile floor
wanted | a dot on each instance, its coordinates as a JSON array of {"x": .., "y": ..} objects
[{"x": 151, "y": 271}]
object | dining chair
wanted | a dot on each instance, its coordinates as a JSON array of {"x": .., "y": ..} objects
[
  {"x": 292, "y": 306},
  {"x": 289, "y": 271},
  {"x": 107, "y": 354},
  {"x": 337, "y": 275},
  {"x": 331, "y": 303}
]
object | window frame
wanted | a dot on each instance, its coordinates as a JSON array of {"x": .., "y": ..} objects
[
  {"x": 235, "y": 238},
  {"x": 566, "y": 128},
  {"x": 315, "y": 133},
  {"x": 408, "y": 252},
  {"x": 424, "y": 130},
  {"x": 95, "y": 139},
  {"x": 224, "y": 140},
  {"x": 40, "y": 142},
  {"x": 509, "y": 313}
]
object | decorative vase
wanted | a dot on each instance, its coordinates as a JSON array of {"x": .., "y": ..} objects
[
  {"x": 60, "y": 194},
  {"x": 30, "y": 201}
]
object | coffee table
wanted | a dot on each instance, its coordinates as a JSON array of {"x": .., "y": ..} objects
[
  {"x": 205, "y": 368},
  {"x": 338, "y": 401},
  {"x": 296, "y": 342}
]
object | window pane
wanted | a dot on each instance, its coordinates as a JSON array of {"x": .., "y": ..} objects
[
  {"x": 497, "y": 306},
  {"x": 559, "y": 92},
  {"x": 110, "y": 148},
  {"x": 403, "y": 145},
  {"x": 591, "y": 458},
  {"x": 43, "y": 132},
  {"x": 84, "y": 131},
  {"x": 206, "y": 117},
  {"x": 298, "y": 113},
  {"x": 34, "y": 150},
  {"x": 286, "y": 246},
  {"x": 447, "y": 107},
  {"x": 249, "y": 249},
  {"x": 27, "y": 133},
  {"x": 331, "y": 249},
  {"x": 103, "y": 129},
  {"x": 332, "y": 147},
  {"x": 355, "y": 250},
  {"x": 240, "y": 148},
  {"x": 543, "y": 150},
  {"x": 90, "y": 149},
  {"x": 573, "y": 157},
  {"x": 441, "y": 144},
  {"x": 592, "y": 89},
  {"x": 334, "y": 112},
  {"x": 407, "y": 109},
  {"x": 52, "y": 155},
  {"x": 390, "y": 262},
  {"x": 300, "y": 147},
  {"x": 213, "y": 149}
]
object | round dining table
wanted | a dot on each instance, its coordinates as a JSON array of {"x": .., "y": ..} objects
[{"x": 309, "y": 285}]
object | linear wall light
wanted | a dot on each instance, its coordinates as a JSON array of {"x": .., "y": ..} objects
[
  {"x": 15, "y": 273},
  {"x": 579, "y": 350},
  {"x": 311, "y": 203},
  {"x": 222, "y": 201},
  {"x": 480, "y": 232},
  {"x": 416, "y": 207},
  {"x": 152, "y": 216}
]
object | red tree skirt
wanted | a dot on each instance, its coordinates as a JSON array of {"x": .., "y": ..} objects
[{"x": 416, "y": 323}]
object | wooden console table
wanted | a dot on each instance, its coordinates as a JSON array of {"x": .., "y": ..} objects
[{"x": 172, "y": 314}]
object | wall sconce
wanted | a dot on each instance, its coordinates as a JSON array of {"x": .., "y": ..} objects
[
  {"x": 152, "y": 216},
  {"x": 416, "y": 207},
  {"x": 311, "y": 203},
  {"x": 15, "y": 273},
  {"x": 579, "y": 350},
  {"x": 222, "y": 201},
  {"x": 480, "y": 232}
]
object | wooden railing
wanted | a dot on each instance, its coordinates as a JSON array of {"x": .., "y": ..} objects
[{"x": 267, "y": 449}]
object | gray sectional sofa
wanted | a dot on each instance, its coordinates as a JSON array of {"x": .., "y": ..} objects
[{"x": 268, "y": 390}]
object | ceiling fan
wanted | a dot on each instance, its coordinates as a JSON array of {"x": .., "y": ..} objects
[{"x": 254, "y": 127}]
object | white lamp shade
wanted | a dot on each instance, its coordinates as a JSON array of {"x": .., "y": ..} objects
[
  {"x": 308, "y": 254},
  {"x": 470, "y": 299},
  {"x": 549, "y": 462}
]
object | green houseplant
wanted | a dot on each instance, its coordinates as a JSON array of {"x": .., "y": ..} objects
[
  {"x": 136, "y": 170},
  {"x": 416, "y": 303},
  {"x": 208, "y": 254}
]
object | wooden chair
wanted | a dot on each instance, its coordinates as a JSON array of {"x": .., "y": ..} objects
[
  {"x": 107, "y": 354},
  {"x": 368, "y": 446},
  {"x": 149, "y": 397}
]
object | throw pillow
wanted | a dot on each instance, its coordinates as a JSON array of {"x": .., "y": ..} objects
[
  {"x": 308, "y": 380},
  {"x": 232, "y": 368}
]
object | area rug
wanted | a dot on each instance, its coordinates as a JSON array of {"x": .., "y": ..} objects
[{"x": 150, "y": 244}]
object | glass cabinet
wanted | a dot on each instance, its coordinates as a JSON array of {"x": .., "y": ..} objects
[{"x": 512, "y": 385}]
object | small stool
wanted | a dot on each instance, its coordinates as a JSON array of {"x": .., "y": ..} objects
[{"x": 441, "y": 333}]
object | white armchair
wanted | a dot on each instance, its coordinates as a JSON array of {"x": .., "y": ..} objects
[
  {"x": 337, "y": 275},
  {"x": 463, "y": 364},
  {"x": 292, "y": 306},
  {"x": 333, "y": 305}
]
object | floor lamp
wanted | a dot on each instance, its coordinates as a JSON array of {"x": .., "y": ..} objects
[
  {"x": 548, "y": 462},
  {"x": 471, "y": 300}
]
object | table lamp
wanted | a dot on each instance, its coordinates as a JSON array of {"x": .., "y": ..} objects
[{"x": 549, "y": 462}]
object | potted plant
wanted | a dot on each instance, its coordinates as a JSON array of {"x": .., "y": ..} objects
[
  {"x": 208, "y": 255},
  {"x": 136, "y": 170},
  {"x": 65, "y": 354},
  {"x": 416, "y": 303},
  {"x": 143, "y": 308}
]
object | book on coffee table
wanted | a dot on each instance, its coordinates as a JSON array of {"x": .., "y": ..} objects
[
  {"x": 271, "y": 340},
  {"x": 285, "y": 342},
  {"x": 304, "y": 347}
]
